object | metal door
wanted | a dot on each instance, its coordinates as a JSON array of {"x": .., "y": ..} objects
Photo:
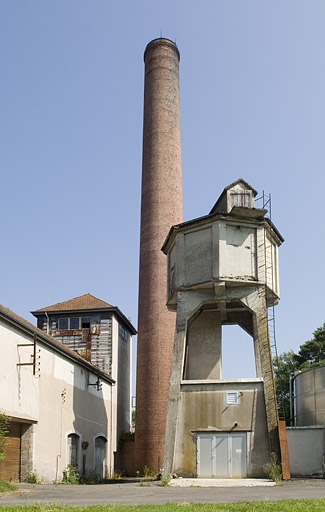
[
  {"x": 100, "y": 455},
  {"x": 221, "y": 455}
]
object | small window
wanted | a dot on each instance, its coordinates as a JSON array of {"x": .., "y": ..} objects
[
  {"x": 74, "y": 323},
  {"x": 85, "y": 322},
  {"x": 232, "y": 398},
  {"x": 123, "y": 333},
  {"x": 63, "y": 324}
]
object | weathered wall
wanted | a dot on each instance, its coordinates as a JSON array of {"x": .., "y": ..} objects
[
  {"x": 306, "y": 450},
  {"x": 203, "y": 407},
  {"x": 203, "y": 347},
  {"x": 122, "y": 374},
  {"x": 57, "y": 401},
  {"x": 226, "y": 250},
  {"x": 94, "y": 344},
  {"x": 205, "y": 304}
]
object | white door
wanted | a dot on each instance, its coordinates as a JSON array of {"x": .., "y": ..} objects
[{"x": 221, "y": 455}]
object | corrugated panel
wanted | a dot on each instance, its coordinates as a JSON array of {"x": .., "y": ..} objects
[
  {"x": 75, "y": 342},
  {"x": 10, "y": 466},
  {"x": 101, "y": 346}
]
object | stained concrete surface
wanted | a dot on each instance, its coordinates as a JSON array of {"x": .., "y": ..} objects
[{"x": 135, "y": 493}]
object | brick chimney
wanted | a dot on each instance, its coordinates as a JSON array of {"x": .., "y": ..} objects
[{"x": 161, "y": 207}]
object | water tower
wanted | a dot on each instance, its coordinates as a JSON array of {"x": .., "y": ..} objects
[{"x": 222, "y": 269}]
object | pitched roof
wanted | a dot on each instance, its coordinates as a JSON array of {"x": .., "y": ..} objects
[
  {"x": 240, "y": 180},
  {"x": 24, "y": 325},
  {"x": 85, "y": 301}
]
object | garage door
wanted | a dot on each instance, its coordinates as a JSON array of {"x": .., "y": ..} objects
[
  {"x": 221, "y": 455},
  {"x": 10, "y": 466}
]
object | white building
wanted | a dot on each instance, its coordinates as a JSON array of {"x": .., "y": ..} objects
[
  {"x": 101, "y": 334},
  {"x": 63, "y": 408}
]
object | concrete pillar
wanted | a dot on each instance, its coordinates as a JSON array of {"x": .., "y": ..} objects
[
  {"x": 161, "y": 207},
  {"x": 256, "y": 301}
]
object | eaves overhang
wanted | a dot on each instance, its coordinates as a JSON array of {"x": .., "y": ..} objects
[{"x": 240, "y": 213}]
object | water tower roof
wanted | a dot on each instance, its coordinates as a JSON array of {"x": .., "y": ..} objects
[{"x": 239, "y": 186}]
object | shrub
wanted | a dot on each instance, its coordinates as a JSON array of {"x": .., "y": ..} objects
[
  {"x": 164, "y": 482},
  {"x": 4, "y": 431},
  {"x": 126, "y": 436},
  {"x": 33, "y": 478},
  {"x": 70, "y": 476},
  {"x": 273, "y": 469},
  {"x": 6, "y": 486}
]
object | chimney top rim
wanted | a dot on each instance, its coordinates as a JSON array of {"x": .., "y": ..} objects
[{"x": 162, "y": 41}]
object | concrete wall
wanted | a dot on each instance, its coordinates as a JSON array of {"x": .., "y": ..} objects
[
  {"x": 229, "y": 250},
  {"x": 203, "y": 348},
  {"x": 55, "y": 402},
  {"x": 203, "y": 408},
  {"x": 122, "y": 373},
  {"x": 306, "y": 450}
]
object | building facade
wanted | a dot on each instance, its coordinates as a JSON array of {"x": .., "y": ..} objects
[
  {"x": 61, "y": 406},
  {"x": 101, "y": 334}
]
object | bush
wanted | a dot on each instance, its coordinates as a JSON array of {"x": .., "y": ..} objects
[
  {"x": 273, "y": 469},
  {"x": 70, "y": 476},
  {"x": 6, "y": 486},
  {"x": 164, "y": 482},
  {"x": 33, "y": 478},
  {"x": 126, "y": 436},
  {"x": 4, "y": 431}
]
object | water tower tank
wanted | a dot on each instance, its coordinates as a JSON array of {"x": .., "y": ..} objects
[{"x": 309, "y": 397}]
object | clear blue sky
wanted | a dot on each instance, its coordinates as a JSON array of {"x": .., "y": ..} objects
[{"x": 252, "y": 106}]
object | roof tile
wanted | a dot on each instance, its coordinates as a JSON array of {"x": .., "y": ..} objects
[{"x": 85, "y": 301}]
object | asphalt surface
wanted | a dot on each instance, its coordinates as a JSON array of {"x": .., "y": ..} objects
[{"x": 135, "y": 493}]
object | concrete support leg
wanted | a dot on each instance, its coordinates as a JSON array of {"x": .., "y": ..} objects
[
  {"x": 175, "y": 382},
  {"x": 257, "y": 304}
]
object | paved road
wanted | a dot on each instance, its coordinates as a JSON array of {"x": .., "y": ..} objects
[{"x": 153, "y": 493}]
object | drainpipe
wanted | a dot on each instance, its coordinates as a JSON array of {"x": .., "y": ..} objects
[
  {"x": 58, "y": 457},
  {"x": 111, "y": 436},
  {"x": 47, "y": 323}
]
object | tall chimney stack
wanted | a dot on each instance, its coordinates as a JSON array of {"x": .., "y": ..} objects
[{"x": 161, "y": 207}]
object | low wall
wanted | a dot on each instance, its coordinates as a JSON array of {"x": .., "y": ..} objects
[{"x": 306, "y": 450}]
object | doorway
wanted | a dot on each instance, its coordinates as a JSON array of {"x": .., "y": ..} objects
[
  {"x": 10, "y": 466},
  {"x": 100, "y": 456},
  {"x": 221, "y": 455}
]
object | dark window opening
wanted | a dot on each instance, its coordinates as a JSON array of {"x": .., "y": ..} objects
[{"x": 85, "y": 322}]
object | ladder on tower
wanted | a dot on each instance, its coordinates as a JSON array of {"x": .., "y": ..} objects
[{"x": 266, "y": 202}]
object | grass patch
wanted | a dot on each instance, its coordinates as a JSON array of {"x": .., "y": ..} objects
[
  {"x": 317, "y": 505},
  {"x": 6, "y": 486}
]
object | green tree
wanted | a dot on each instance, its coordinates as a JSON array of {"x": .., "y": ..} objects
[
  {"x": 312, "y": 352},
  {"x": 4, "y": 431},
  {"x": 285, "y": 365}
]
